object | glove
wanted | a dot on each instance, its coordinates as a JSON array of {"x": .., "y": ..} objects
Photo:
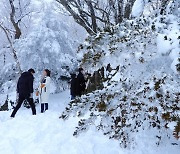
[{"x": 37, "y": 93}]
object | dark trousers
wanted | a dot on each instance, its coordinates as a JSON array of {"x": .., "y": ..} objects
[
  {"x": 73, "y": 97},
  {"x": 20, "y": 101},
  {"x": 44, "y": 107},
  {"x": 79, "y": 94}
]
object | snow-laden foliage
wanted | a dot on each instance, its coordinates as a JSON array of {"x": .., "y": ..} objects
[
  {"x": 48, "y": 40},
  {"x": 48, "y": 46},
  {"x": 135, "y": 81},
  {"x": 138, "y": 8}
]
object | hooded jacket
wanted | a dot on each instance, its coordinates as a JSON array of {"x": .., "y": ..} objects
[
  {"x": 25, "y": 84},
  {"x": 81, "y": 83}
]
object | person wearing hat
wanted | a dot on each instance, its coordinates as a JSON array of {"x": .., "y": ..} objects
[
  {"x": 81, "y": 82},
  {"x": 25, "y": 91}
]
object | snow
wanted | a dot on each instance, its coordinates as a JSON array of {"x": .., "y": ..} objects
[
  {"x": 47, "y": 134},
  {"x": 171, "y": 125},
  {"x": 168, "y": 43},
  {"x": 3, "y": 99},
  {"x": 51, "y": 40},
  {"x": 173, "y": 65},
  {"x": 138, "y": 8},
  {"x": 164, "y": 46}
]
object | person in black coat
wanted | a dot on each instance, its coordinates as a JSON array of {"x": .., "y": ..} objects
[
  {"x": 81, "y": 82},
  {"x": 73, "y": 86},
  {"x": 25, "y": 91}
]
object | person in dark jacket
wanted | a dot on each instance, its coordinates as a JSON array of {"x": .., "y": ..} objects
[
  {"x": 73, "y": 86},
  {"x": 81, "y": 82},
  {"x": 25, "y": 91}
]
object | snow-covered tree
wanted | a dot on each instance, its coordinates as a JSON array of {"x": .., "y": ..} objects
[
  {"x": 47, "y": 41},
  {"x": 95, "y": 15},
  {"x": 48, "y": 46},
  {"x": 14, "y": 14},
  {"x": 134, "y": 75}
]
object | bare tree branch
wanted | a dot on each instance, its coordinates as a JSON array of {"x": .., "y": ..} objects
[
  {"x": 19, "y": 20},
  {"x": 81, "y": 21},
  {"x": 96, "y": 15}
]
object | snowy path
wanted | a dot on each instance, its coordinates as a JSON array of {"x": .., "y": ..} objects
[{"x": 47, "y": 134}]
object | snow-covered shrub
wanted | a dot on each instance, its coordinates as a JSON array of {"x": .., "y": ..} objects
[
  {"x": 124, "y": 108},
  {"x": 140, "y": 91}
]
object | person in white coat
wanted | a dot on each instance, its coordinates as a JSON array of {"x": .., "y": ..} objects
[{"x": 44, "y": 90}]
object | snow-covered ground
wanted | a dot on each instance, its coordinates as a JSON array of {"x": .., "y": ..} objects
[{"x": 47, "y": 134}]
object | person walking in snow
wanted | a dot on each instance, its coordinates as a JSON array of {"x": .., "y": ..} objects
[
  {"x": 44, "y": 90},
  {"x": 81, "y": 82},
  {"x": 25, "y": 91},
  {"x": 73, "y": 86}
]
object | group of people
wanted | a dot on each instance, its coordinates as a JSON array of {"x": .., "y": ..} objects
[{"x": 25, "y": 89}]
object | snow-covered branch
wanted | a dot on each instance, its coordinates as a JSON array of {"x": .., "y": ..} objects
[{"x": 12, "y": 48}]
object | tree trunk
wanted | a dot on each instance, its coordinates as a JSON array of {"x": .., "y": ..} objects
[
  {"x": 93, "y": 16},
  {"x": 15, "y": 24},
  {"x": 128, "y": 9},
  {"x": 76, "y": 17},
  {"x": 12, "y": 49},
  {"x": 120, "y": 12}
]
